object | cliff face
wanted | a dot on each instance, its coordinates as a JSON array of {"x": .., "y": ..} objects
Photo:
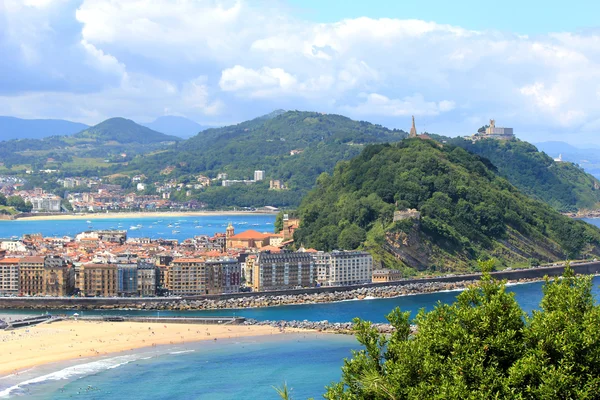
[{"x": 455, "y": 209}]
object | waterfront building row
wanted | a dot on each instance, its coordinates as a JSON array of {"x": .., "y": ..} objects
[
  {"x": 55, "y": 276},
  {"x": 289, "y": 270}
]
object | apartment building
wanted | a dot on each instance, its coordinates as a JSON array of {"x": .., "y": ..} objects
[
  {"x": 284, "y": 270},
  {"x": 59, "y": 278},
  {"x": 187, "y": 277},
  {"x": 97, "y": 280},
  {"x": 146, "y": 279},
  {"x": 31, "y": 276},
  {"x": 9, "y": 276},
  {"x": 343, "y": 268},
  {"x": 127, "y": 280},
  {"x": 223, "y": 276}
]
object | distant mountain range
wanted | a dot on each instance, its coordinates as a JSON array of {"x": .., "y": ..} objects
[
  {"x": 588, "y": 158},
  {"x": 17, "y": 128},
  {"x": 176, "y": 126},
  {"x": 123, "y": 130}
]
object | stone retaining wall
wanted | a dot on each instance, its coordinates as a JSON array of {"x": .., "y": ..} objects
[{"x": 297, "y": 296}]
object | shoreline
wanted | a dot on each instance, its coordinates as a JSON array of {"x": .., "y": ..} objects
[
  {"x": 132, "y": 215},
  {"x": 270, "y": 301},
  {"x": 72, "y": 340}
]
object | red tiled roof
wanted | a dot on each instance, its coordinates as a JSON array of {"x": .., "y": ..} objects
[
  {"x": 188, "y": 260},
  {"x": 250, "y": 234}
]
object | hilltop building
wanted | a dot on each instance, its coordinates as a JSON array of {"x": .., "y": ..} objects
[
  {"x": 494, "y": 132},
  {"x": 259, "y": 175}
]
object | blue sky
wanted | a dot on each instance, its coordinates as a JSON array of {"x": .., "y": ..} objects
[
  {"x": 524, "y": 17},
  {"x": 531, "y": 65}
]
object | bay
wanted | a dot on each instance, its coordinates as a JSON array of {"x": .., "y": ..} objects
[
  {"x": 150, "y": 227},
  {"x": 245, "y": 368}
]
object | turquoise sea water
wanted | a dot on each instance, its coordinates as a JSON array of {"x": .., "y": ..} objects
[
  {"x": 240, "y": 369},
  {"x": 528, "y": 296},
  {"x": 152, "y": 227},
  {"x": 227, "y": 369}
]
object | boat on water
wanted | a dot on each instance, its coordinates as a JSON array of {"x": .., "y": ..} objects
[
  {"x": 198, "y": 226},
  {"x": 133, "y": 228},
  {"x": 174, "y": 231},
  {"x": 88, "y": 221},
  {"x": 170, "y": 225}
]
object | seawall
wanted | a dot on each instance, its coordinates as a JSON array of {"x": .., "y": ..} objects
[{"x": 296, "y": 296}]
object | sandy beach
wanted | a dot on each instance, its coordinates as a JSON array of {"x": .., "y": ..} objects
[
  {"x": 159, "y": 214},
  {"x": 71, "y": 340}
]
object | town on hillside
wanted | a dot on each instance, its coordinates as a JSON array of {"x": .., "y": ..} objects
[{"x": 98, "y": 195}]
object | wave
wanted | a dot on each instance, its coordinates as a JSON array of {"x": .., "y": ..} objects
[
  {"x": 182, "y": 352},
  {"x": 72, "y": 372}
]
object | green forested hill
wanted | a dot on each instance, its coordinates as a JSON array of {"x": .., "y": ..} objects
[
  {"x": 123, "y": 130},
  {"x": 266, "y": 143},
  {"x": 466, "y": 210},
  {"x": 563, "y": 185}
]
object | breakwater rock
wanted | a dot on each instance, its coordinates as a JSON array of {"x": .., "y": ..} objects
[
  {"x": 320, "y": 326},
  {"x": 238, "y": 301}
]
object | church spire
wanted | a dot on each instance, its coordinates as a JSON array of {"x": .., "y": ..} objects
[{"x": 413, "y": 129}]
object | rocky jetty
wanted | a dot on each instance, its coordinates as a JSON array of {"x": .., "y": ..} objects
[
  {"x": 250, "y": 300},
  {"x": 345, "y": 328}
]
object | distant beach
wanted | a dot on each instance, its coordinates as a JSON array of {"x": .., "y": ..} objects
[
  {"x": 158, "y": 214},
  {"x": 73, "y": 340}
]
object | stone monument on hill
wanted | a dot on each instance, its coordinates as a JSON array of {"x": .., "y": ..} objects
[{"x": 413, "y": 129}]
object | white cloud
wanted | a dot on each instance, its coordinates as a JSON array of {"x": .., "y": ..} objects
[
  {"x": 241, "y": 78},
  {"x": 377, "y": 104},
  {"x": 102, "y": 61},
  {"x": 234, "y": 59}
]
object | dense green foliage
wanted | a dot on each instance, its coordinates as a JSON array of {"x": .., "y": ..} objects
[
  {"x": 564, "y": 186},
  {"x": 483, "y": 347},
  {"x": 246, "y": 196},
  {"x": 466, "y": 210},
  {"x": 18, "y": 204},
  {"x": 266, "y": 144}
]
